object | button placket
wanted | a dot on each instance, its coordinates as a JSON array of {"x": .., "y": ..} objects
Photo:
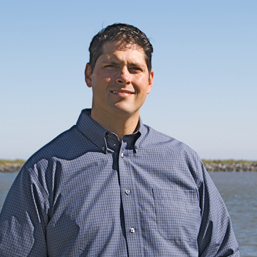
[{"x": 129, "y": 204}]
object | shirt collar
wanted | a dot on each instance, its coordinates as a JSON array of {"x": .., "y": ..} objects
[
  {"x": 91, "y": 129},
  {"x": 94, "y": 132}
]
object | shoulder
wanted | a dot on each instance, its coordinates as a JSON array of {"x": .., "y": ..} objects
[
  {"x": 179, "y": 153},
  {"x": 160, "y": 140},
  {"x": 68, "y": 145}
]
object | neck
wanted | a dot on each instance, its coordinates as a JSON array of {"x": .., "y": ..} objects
[{"x": 118, "y": 124}]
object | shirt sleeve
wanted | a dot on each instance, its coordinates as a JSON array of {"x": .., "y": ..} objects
[
  {"x": 24, "y": 217},
  {"x": 216, "y": 236}
]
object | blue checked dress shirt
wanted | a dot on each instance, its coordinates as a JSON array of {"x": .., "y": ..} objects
[{"x": 88, "y": 194}]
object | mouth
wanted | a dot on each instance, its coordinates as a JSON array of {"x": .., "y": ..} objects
[{"x": 122, "y": 93}]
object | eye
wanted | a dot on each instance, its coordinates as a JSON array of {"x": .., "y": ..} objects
[
  {"x": 110, "y": 65},
  {"x": 136, "y": 69}
]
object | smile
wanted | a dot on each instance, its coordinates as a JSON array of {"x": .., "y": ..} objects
[{"x": 122, "y": 92}]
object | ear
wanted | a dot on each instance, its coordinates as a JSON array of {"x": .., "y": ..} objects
[
  {"x": 88, "y": 75},
  {"x": 150, "y": 81}
]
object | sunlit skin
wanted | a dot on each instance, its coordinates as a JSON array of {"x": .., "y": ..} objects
[{"x": 120, "y": 82}]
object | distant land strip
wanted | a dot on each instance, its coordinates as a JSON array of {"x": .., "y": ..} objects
[
  {"x": 211, "y": 165},
  {"x": 230, "y": 165}
]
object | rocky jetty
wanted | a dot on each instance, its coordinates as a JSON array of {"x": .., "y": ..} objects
[
  {"x": 230, "y": 165},
  {"x": 211, "y": 165},
  {"x": 11, "y": 166}
]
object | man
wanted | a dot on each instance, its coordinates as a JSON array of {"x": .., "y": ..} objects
[{"x": 112, "y": 186}]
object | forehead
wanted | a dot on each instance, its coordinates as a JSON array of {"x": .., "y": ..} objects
[{"x": 111, "y": 47}]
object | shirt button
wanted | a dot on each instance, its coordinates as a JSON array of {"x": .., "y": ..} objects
[
  {"x": 122, "y": 155},
  {"x": 132, "y": 230},
  {"x": 127, "y": 192},
  {"x": 103, "y": 148}
]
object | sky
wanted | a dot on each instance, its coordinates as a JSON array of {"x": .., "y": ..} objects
[{"x": 205, "y": 63}]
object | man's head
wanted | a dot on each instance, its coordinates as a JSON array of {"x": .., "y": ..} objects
[
  {"x": 123, "y": 33},
  {"x": 120, "y": 75}
]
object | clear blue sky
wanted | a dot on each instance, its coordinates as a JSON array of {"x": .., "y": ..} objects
[{"x": 205, "y": 63}]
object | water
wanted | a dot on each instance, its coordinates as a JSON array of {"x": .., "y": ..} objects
[
  {"x": 6, "y": 180},
  {"x": 239, "y": 191}
]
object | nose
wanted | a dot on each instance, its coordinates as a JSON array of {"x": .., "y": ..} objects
[{"x": 124, "y": 77}]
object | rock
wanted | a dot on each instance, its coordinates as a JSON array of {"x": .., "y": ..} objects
[
  {"x": 10, "y": 167},
  {"x": 236, "y": 166}
]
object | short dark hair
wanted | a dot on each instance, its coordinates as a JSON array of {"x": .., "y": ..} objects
[{"x": 120, "y": 32}]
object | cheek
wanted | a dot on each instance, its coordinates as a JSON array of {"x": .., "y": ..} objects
[
  {"x": 104, "y": 77},
  {"x": 142, "y": 83},
  {"x": 108, "y": 80},
  {"x": 141, "y": 79},
  {"x": 101, "y": 79}
]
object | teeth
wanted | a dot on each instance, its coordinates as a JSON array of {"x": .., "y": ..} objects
[{"x": 116, "y": 92}]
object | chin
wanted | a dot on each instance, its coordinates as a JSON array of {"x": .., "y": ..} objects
[{"x": 123, "y": 111}]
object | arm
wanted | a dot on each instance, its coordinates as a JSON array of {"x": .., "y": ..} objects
[
  {"x": 24, "y": 217},
  {"x": 216, "y": 236}
]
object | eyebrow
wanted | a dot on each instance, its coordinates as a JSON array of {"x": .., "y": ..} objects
[{"x": 120, "y": 62}]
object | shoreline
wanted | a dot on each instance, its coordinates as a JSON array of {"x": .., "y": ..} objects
[
  {"x": 8, "y": 166},
  {"x": 230, "y": 165}
]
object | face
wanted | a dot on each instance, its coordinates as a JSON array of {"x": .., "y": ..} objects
[{"x": 120, "y": 80}]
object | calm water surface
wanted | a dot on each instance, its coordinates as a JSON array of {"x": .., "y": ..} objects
[
  {"x": 6, "y": 180},
  {"x": 239, "y": 191}
]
